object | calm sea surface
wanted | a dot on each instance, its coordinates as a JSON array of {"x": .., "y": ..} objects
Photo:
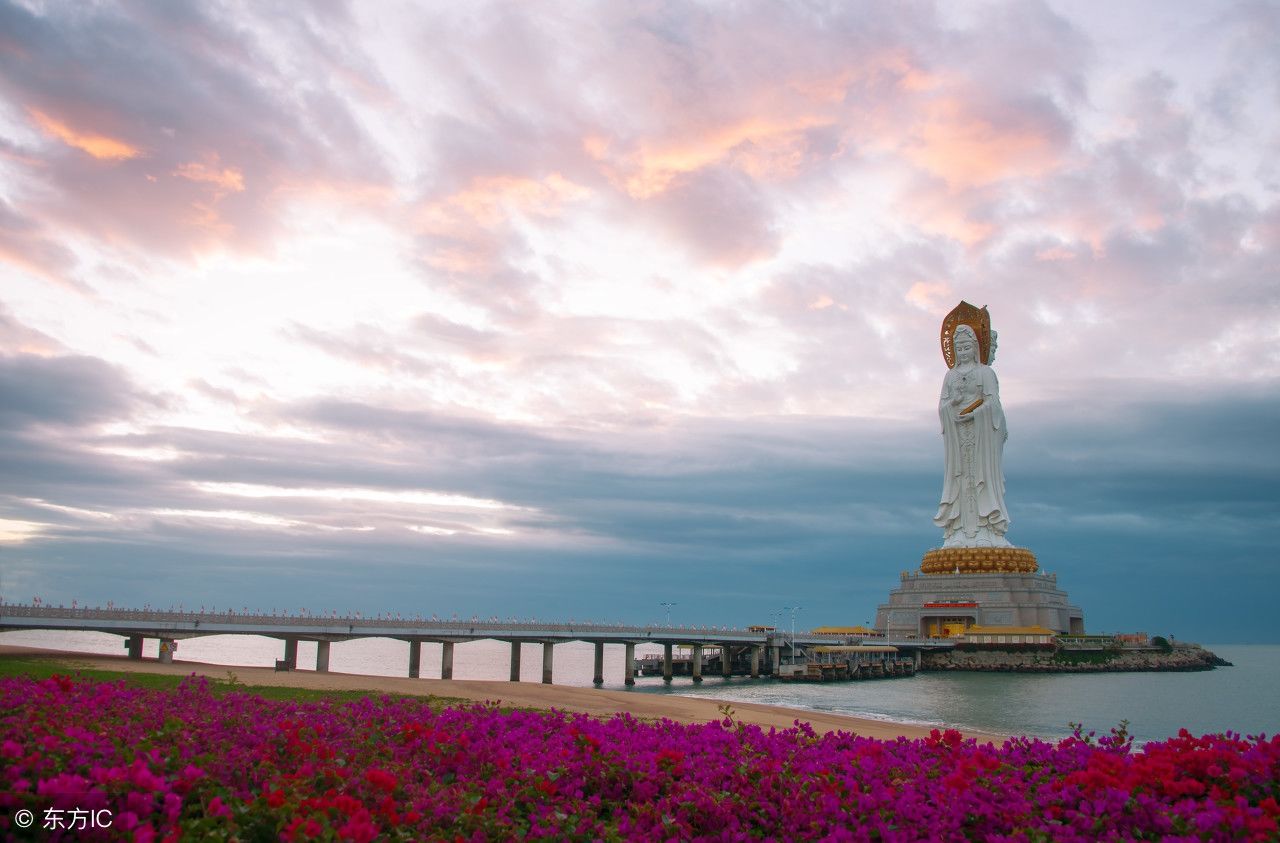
[{"x": 1239, "y": 699}]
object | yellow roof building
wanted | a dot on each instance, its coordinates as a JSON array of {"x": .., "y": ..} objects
[{"x": 1008, "y": 630}]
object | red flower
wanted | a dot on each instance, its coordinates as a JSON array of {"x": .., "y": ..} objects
[
  {"x": 673, "y": 756},
  {"x": 359, "y": 830},
  {"x": 380, "y": 779},
  {"x": 950, "y": 737}
]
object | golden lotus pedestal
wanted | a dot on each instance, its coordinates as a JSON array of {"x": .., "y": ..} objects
[{"x": 979, "y": 560}]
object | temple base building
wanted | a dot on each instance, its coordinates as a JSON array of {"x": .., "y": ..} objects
[{"x": 991, "y": 587}]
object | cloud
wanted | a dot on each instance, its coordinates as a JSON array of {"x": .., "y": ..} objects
[
  {"x": 582, "y": 370},
  {"x": 721, "y": 215},
  {"x": 99, "y": 146},
  {"x": 365, "y": 345},
  {"x": 25, "y": 243},
  {"x": 227, "y": 179},
  {"x": 848, "y": 501},
  {"x": 704, "y": 147},
  {"x": 958, "y": 143},
  {"x": 845, "y": 500},
  {"x": 469, "y": 242},
  {"x": 17, "y": 338},
  {"x": 62, "y": 391},
  {"x": 224, "y": 138}
]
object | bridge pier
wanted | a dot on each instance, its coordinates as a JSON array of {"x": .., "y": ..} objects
[
  {"x": 133, "y": 645},
  {"x": 547, "y": 649},
  {"x": 291, "y": 653},
  {"x": 726, "y": 661},
  {"x": 166, "y": 650},
  {"x": 776, "y": 658},
  {"x": 415, "y": 659},
  {"x": 666, "y": 662},
  {"x": 598, "y": 677},
  {"x": 322, "y": 657},
  {"x": 446, "y": 660},
  {"x": 696, "y": 664},
  {"x": 515, "y": 661},
  {"x": 630, "y": 659},
  {"x": 756, "y": 650}
]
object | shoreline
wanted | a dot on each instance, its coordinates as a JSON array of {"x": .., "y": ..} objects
[
  {"x": 1181, "y": 659},
  {"x": 597, "y": 702}
]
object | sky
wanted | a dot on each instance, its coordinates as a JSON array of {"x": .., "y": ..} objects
[{"x": 568, "y": 310}]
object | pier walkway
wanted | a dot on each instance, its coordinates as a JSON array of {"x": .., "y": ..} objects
[{"x": 756, "y": 650}]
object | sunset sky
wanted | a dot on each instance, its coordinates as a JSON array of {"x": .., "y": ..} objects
[{"x": 569, "y": 309}]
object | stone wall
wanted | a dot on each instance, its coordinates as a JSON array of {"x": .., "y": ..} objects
[
  {"x": 1070, "y": 661},
  {"x": 990, "y": 599}
]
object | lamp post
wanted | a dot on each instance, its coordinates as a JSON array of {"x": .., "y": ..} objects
[
  {"x": 793, "y": 610},
  {"x": 667, "y": 605}
]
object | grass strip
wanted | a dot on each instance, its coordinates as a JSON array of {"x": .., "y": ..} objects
[{"x": 43, "y": 667}]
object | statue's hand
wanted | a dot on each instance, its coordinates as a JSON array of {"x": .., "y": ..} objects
[{"x": 964, "y": 417}]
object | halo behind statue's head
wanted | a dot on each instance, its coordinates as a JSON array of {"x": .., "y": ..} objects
[{"x": 978, "y": 321}]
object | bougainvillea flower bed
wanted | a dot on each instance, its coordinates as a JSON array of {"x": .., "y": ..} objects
[{"x": 192, "y": 764}]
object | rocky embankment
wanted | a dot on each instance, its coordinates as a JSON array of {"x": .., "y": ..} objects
[{"x": 1072, "y": 661}]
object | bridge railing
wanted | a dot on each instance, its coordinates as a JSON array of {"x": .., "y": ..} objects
[
  {"x": 456, "y": 626},
  {"x": 358, "y": 620}
]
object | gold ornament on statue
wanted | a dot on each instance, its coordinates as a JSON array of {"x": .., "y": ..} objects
[{"x": 976, "y": 318}]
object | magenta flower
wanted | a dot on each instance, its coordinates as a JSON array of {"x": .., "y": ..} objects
[{"x": 203, "y": 765}]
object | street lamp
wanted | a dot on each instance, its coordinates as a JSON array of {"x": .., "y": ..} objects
[
  {"x": 793, "y": 610},
  {"x": 668, "y": 606}
]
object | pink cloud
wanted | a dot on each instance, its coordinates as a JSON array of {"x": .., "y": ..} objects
[
  {"x": 715, "y": 135},
  {"x": 954, "y": 141},
  {"x": 930, "y": 295},
  {"x": 100, "y": 146},
  {"x": 1055, "y": 253},
  {"x": 213, "y": 152},
  {"x": 224, "y": 179},
  {"x": 720, "y": 215},
  {"x": 26, "y": 243}
]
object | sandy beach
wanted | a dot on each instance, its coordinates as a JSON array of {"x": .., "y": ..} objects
[{"x": 597, "y": 702}]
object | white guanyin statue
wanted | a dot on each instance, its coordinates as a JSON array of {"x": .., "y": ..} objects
[{"x": 972, "y": 512}]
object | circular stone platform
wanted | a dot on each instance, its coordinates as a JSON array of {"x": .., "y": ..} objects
[{"x": 978, "y": 560}]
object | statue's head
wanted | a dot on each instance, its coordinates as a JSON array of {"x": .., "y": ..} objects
[{"x": 965, "y": 342}]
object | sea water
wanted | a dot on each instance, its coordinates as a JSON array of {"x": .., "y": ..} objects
[
  {"x": 1239, "y": 699},
  {"x": 1244, "y": 698}
]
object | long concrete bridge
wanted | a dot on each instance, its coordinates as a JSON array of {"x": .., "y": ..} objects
[{"x": 135, "y": 625}]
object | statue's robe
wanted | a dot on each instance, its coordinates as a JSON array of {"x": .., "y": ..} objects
[{"x": 989, "y": 431}]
